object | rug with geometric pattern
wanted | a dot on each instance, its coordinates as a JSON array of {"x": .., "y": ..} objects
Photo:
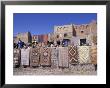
[
  {"x": 35, "y": 56},
  {"x": 72, "y": 52},
  {"x": 83, "y": 54},
  {"x": 16, "y": 57},
  {"x": 45, "y": 56}
]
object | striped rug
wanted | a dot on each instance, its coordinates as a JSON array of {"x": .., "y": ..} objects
[
  {"x": 63, "y": 57},
  {"x": 25, "y": 54},
  {"x": 54, "y": 56},
  {"x": 93, "y": 53}
]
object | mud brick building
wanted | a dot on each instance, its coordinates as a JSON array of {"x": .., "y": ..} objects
[
  {"x": 77, "y": 34},
  {"x": 51, "y": 37},
  {"x": 25, "y": 37},
  {"x": 63, "y": 32},
  {"x": 43, "y": 38},
  {"x": 84, "y": 34}
]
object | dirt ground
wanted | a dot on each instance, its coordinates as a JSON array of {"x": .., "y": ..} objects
[{"x": 87, "y": 69}]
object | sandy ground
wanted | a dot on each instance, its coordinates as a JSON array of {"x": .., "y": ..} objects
[{"x": 72, "y": 70}]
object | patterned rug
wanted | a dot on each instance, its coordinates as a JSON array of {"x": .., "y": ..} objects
[
  {"x": 83, "y": 54},
  {"x": 16, "y": 57},
  {"x": 63, "y": 57},
  {"x": 72, "y": 52},
  {"x": 34, "y": 56},
  {"x": 45, "y": 57},
  {"x": 25, "y": 53},
  {"x": 54, "y": 57},
  {"x": 93, "y": 53}
]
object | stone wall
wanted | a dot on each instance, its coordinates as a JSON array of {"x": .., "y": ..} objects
[{"x": 24, "y": 37}]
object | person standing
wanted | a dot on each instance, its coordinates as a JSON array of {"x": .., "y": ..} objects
[{"x": 20, "y": 43}]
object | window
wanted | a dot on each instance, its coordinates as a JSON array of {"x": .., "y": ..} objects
[
  {"x": 65, "y": 35},
  {"x": 82, "y": 31},
  {"x": 82, "y": 42},
  {"x": 57, "y": 36}
]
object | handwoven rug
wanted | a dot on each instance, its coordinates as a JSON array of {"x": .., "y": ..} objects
[
  {"x": 93, "y": 53},
  {"x": 72, "y": 52},
  {"x": 83, "y": 54},
  {"x": 63, "y": 57},
  {"x": 16, "y": 57},
  {"x": 45, "y": 57},
  {"x": 34, "y": 56},
  {"x": 25, "y": 53},
  {"x": 54, "y": 57}
]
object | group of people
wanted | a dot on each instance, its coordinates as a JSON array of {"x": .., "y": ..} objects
[{"x": 21, "y": 44}]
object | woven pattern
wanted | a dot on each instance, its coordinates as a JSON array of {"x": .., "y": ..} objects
[
  {"x": 54, "y": 57},
  {"x": 84, "y": 54},
  {"x": 34, "y": 57},
  {"x": 93, "y": 53},
  {"x": 72, "y": 52},
  {"x": 16, "y": 57},
  {"x": 63, "y": 57},
  {"x": 25, "y": 56},
  {"x": 45, "y": 58}
]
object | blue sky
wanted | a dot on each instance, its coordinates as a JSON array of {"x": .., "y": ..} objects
[{"x": 43, "y": 23}]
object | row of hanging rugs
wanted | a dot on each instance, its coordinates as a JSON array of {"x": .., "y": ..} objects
[{"x": 55, "y": 56}]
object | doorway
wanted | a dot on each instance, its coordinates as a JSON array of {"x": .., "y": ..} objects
[{"x": 82, "y": 42}]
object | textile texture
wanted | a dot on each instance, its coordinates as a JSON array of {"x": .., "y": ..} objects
[
  {"x": 63, "y": 57},
  {"x": 83, "y": 54},
  {"x": 72, "y": 52},
  {"x": 45, "y": 57},
  {"x": 34, "y": 56},
  {"x": 25, "y": 53},
  {"x": 16, "y": 57},
  {"x": 93, "y": 54},
  {"x": 54, "y": 57}
]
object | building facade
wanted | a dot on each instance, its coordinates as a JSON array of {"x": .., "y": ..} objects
[
  {"x": 85, "y": 34},
  {"x": 45, "y": 38},
  {"x": 24, "y": 37},
  {"x": 51, "y": 37},
  {"x": 63, "y": 32}
]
